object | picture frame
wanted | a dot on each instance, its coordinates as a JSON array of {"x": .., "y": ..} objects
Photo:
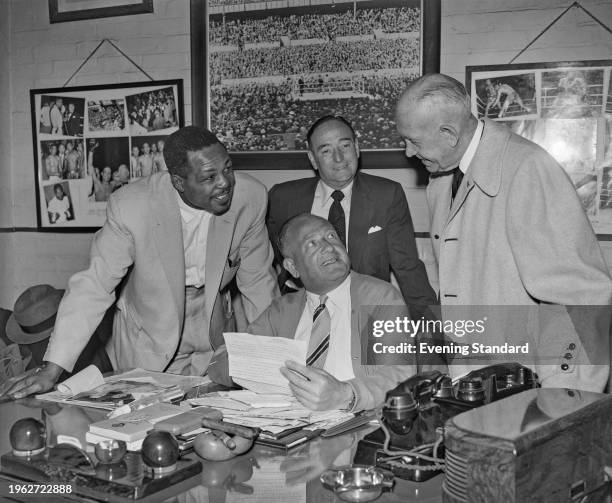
[
  {"x": 566, "y": 108},
  {"x": 61, "y": 11},
  {"x": 216, "y": 38},
  {"x": 89, "y": 141}
]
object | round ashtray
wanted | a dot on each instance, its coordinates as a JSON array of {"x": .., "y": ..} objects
[
  {"x": 110, "y": 451},
  {"x": 357, "y": 483}
]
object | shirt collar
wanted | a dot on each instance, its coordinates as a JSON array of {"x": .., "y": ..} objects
[
  {"x": 464, "y": 164},
  {"x": 324, "y": 191},
  {"x": 187, "y": 212},
  {"x": 334, "y": 296}
]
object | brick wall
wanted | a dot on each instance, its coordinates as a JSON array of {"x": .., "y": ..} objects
[
  {"x": 474, "y": 32},
  {"x": 45, "y": 55}
]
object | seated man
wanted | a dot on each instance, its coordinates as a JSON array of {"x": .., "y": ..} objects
[{"x": 326, "y": 313}]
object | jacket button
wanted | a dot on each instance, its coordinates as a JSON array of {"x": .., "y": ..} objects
[
  {"x": 436, "y": 236},
  {"x": 568, "y": 356},
  {"x": 571, "y": 346},
  {"x": 564, "y": 366}
]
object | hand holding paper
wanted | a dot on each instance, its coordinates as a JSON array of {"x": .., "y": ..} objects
[
  {"x": 316, "y": 389},
  {"x": 255, "y": 361}
]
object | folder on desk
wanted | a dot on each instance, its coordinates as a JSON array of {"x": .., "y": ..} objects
[{"x": 290, "y": 440}]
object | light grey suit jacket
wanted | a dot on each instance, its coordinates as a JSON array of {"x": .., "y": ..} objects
[
  {"x": 516, "y": 235},
  {"x": 371, "y": 299},
  {"x": 142, "y": 241}
]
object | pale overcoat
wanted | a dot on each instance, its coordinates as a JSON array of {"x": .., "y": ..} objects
[{"x": 516, "y": 235}]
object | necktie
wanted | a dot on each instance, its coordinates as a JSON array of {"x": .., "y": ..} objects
[
  {"x": 336, "y": 215},
  {"x": 319, "y": 335},
  {"x": 457, "y": 177}
]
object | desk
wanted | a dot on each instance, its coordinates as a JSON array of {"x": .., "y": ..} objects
[{"x": 262, "y": 475}]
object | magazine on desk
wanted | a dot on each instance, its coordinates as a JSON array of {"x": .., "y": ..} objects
[{"x": 89, "y": 388}]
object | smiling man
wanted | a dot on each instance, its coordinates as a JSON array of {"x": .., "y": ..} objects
[
  {"x": 328, "y": 314},
  {"x": 176, "y": 239},
  {"x": 508, "y": 229},
  {"x": 370, "y": 213}
]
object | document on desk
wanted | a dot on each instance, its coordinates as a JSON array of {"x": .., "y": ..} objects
[{"x": 255, "y": 360}]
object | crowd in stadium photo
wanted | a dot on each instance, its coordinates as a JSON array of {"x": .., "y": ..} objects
[
  {"x": 258, "y": 116},
  {"x": 326, "y": 26},
  {"x": 261, "y": 97}
]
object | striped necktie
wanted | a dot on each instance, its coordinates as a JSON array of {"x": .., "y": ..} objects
[{"x": 319, "y": 335}]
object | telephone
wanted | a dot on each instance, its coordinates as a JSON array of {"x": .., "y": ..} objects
[{"x": 409, "y": 442}]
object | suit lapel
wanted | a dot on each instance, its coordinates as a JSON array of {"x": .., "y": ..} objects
[
  {"x": 484, "y": 170},
  {"x": 168, "y": 239},
  {"x": 218, "y": 244},
  {"x": 304, "y": 198},
  {"x": 360, "y": 218}
]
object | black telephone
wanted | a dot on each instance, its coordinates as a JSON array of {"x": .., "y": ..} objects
[{"x": 409, "y": 443}]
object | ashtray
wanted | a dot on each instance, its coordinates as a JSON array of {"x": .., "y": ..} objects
[{"x": 358, "y": 482}]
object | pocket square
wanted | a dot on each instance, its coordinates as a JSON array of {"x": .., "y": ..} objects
[{"x": 374, "y": 229}]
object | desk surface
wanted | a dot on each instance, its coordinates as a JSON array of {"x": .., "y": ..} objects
[{"x": 261, "y": 475}]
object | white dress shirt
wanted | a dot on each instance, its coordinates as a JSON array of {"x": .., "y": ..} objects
[
  {"x": 470, "y": 152},
  {"x": 195, "y": 225},
  {"x": 323, "y": 200},
  {"x": 338, "y": 362}
]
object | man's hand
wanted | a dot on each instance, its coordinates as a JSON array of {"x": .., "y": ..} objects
[
  {"x": 316, "y": 389},
  {"x": 40, "y": 380}
]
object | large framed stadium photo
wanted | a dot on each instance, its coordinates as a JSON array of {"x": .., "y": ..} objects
[
  {"x": 271, "y": 68},
  {"x": 566, "y": 108},
  {"x": 90, "y": 141}
]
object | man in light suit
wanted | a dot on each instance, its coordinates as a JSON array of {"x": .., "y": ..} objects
[
  {"x": 372, "y": 216},
  {"x": 510, "y": 232},
  {"x": 343, "y": 371},
  {"x": 178, "y": 238}
]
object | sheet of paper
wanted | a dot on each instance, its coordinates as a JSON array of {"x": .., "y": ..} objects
[
  {"x": 258, "y": 359},
  {"x": 88, "y": 378},
  {"x": 257, "y": 400}
]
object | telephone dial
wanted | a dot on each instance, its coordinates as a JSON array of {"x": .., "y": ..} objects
[{"x": 409, "y": 442}]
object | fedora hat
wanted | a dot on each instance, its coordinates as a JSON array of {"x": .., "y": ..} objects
[{"x": 34, "y": 314}]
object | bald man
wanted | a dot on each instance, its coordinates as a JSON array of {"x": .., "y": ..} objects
[
  {"x": 343, "y": 370},
  {"x": 508, "y": 230}
]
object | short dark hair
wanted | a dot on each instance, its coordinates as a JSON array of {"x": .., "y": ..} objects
[
  {"x": 327, "y": 118},
  {"x": 179, "y": 143},
  {"x": 58, "y": 186}
]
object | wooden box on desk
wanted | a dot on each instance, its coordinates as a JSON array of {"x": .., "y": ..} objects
[{"x": 541, "y": 445}]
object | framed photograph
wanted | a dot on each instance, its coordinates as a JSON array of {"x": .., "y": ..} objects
[
  {"x": 90, "y": 141},
  {"x": 76, "y": 10},
  {"x": 275, "y": 67},
  {"x": 564, "y": 107}
]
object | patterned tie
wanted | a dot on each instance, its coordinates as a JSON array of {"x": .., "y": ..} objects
[
  {"x": 319, "y": 335},
  {"x": 457, "y": 177},
  {"x": 336, "y": 215}
]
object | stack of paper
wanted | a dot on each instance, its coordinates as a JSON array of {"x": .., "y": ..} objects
[{"x": 271, "y": 413}]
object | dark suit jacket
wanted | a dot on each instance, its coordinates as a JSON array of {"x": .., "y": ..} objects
[{"x": 375, "y": 202}]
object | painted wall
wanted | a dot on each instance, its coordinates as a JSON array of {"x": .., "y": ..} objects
[{"x": 40, "y": 55}]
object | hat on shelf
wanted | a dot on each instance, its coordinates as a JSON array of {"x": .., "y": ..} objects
[{"x": 34, "y": 314}]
